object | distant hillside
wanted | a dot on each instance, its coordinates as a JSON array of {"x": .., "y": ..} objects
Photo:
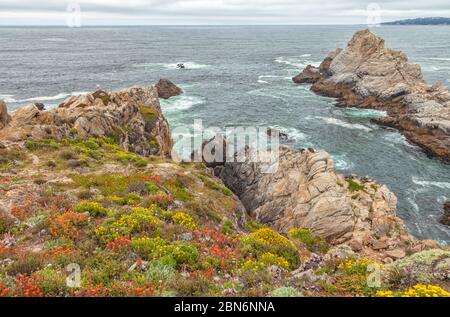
[{"x": 421, "y": 21}]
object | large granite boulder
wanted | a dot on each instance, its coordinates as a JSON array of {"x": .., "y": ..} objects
[
  {"x": 303, "y": 190},
  {"x": 366, "y": 74}
]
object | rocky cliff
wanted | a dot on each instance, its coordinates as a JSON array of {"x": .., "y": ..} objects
[
  {"x": 366, "y": 74},
  {"x": 306, "y": 192},
  {"x": 132, "y": 116}
]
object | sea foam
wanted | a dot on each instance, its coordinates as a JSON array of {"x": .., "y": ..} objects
[{"x": 337, "y": 122}]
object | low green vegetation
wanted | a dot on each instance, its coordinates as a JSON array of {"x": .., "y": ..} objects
[
  {"x": 354, "y": 186},
  {"x": 313, "y": 243}
]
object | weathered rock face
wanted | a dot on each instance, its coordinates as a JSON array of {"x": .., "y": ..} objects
[
  {"x": 309, "y": 75},
  {"x": 306, "y": 192},
  {"x": 167, "y": 89},
  {"x": 133, "y": 115},
  {"x": 4, "y": 117},
  {"x": 445, "y": 220},
  {"x": 366, "y": 74}
]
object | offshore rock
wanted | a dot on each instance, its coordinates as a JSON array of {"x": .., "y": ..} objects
[
  {"x": 167, "y": 89},
  {"x": 366, "y": 74}
]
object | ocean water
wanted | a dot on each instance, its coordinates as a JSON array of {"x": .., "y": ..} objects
[{"x": 241, "y": 76}]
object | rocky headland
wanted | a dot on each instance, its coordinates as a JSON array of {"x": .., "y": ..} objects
[
  {"x": 92, "y": 182},
  {"x": 366, "y": 74}
]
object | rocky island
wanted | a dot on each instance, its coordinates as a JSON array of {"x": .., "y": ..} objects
[
  {"x": 366, "y": 74},
  {"x": 91, "y": 185}
]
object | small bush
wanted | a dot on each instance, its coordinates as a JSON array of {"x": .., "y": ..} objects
[
  {"x": 266, "y": 240},
  {"x": 139, "y": 220},
  {"x": 52, "y": 282},
  {"x": 158, "y": 272},
  {"x": 157, "y": 248},
  {"x": 184, "y": 220},
  {"x": 354, "y": 186},
  {"x": 33, "y": 145},
  {"x": 125, "y": 157},
  {"x": 270, "y": 259},
  {"x": 93, "y": 208},
  {"x": 67, "y": 225},
  {"x": 26, "y": 264},
  {"x": 312, "y": 243},
  {"x": 151, "y": 188}
]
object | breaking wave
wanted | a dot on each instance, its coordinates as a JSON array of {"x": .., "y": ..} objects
[
  {"x": 181, "y": 103},
  {"x": 354, "y": 126},
  {"x": 426, "y": 183}
]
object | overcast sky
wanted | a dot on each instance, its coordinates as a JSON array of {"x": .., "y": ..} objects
[{"x": 197, "y": 12}]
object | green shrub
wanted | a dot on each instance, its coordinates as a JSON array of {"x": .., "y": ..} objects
[
  {"x": 266, "y": 240},
  {"x": 354, "y": 186},
  {"x": 125, "y": 157},
  {"x": 157, "y": 249},
  {"x": 93, "y": 208},
  {"x": 130, "y": 199},
  {"x": 137, "y": 221},
  {"x": 149, "y": 113},
  {"x": 151, "y": 188},
  {"x": 33, "y": 145},
  {"x": 158, "y": 271},
  {"x": 52, "y": 282},
  {"x": 184, "y": 220},
  {"x": 184, "y": 253},
  {"x": 226, "y": 191},
  {"x": 312, "y": 242}
]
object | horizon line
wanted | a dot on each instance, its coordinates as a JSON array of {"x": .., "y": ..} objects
[{"x": 205, "y": 25}]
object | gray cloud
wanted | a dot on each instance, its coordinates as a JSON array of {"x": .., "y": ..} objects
[{"x": 216, "y": 11}]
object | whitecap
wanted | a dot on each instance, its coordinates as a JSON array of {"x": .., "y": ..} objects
[
  {"x": 59, "y": 96},
  {"x": 8, "y": 98},
  {"x": 413, "y": 204},
  {"x": 427, "y": 183},
  {"x": 181, "y": 103},
  {"x": 397, "y": 138},
  {"x": 262, "y": 77},
  {"x": 334, "y": 121},
  {"x": 55, "y": 39},
  {"x": 296, "y": 61},
  {"x": 341, "y": 162},
  {"x": 342, "y": 165},
  {"x": 439, "y": 58},
  {"x": 293, "y": 133},
  {"x": 363, "y": 113}
]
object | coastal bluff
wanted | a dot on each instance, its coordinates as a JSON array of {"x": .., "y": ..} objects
[
  {"x": 131, "y": 116},
  {"x": 366, "y": 74}
]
